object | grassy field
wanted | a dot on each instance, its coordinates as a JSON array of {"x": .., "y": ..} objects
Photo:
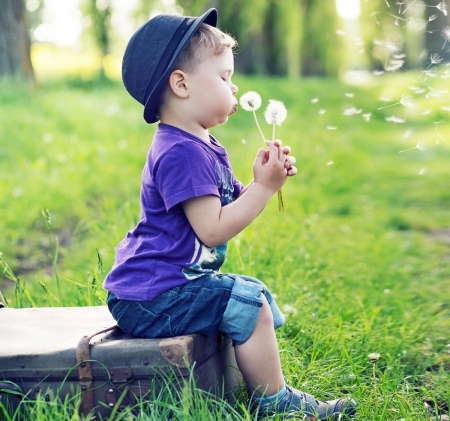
[{"x": 359, "y": 261}]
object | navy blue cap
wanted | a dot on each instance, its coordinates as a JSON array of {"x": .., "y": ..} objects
[{"x": 151, "y": 54}]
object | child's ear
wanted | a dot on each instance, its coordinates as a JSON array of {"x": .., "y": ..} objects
[{"x": 178, "y": 84}]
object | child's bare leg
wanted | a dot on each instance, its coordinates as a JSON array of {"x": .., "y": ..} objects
[{"x": 258, "y": 358}]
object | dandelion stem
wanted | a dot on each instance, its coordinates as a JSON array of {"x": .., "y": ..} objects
[
  {"x": 374, "y": 376},
  {"x": 259, "y": 127},
  {"x": 279, "y": 193}
]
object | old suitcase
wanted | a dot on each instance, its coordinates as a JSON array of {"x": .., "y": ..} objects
[{"x": 79, "y": 350}]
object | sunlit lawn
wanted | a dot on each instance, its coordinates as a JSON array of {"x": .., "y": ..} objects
[{"x": 359, "y": 260}]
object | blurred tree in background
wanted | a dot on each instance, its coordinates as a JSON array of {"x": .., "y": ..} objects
[
  {"x": 276, "y": 37},
  {"x": 14, "y": 40},
  {"x": 99, "y": 12}
]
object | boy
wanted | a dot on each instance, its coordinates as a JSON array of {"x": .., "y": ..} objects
[{"x": 165, "y": 280}]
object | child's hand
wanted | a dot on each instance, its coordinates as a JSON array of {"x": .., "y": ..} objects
[
  {"x": 290, "y": 160},
  {"x": 270, "y": 166}
]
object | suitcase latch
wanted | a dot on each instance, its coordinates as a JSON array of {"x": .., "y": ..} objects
[{"x": 121, "y": 374}]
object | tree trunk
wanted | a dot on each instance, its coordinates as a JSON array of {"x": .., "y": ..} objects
[{"x": 14, "y": 40}]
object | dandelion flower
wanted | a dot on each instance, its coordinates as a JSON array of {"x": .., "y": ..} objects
[
  {"x": 250, "y": 101},
  {"x": 374, "y": 357},
  {"x": 275, "y": 112}
]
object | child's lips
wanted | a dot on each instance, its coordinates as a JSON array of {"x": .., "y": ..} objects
[{"x": 235, "y": 108}]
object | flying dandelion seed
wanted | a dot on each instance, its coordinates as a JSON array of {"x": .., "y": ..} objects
[
  {"x": 406, "y": 101},
  {"x": 436, "y": 123},
  {"x": 445, "y": 108},
  {"x": 340, "y": 32},
  {"x": 322, "y": 111},
  {"x": 394, "y": 119},
  {"x": 426, "y": 112},
  {"x": 411, "y": 4},
  {"x": 331, "y": 128},
  {"x": 387, "y": 3},
  {"x": 446, "y": 35},
  {"x": 432, "y": 18},
  {"x": 394, "y": 65},
  {"x": 420, "y": 146},
  {"x": 349, "y": 95},
  {"x": 442, "y": 7},
  {"x": 435, "y": 59},
  {"x": 422, "y": 171},
  {"x": 314, "y": 100},
  {"x": 392, "y": 47},
  {"x": 352, "y": 111},
  {"x": 407, "y": 134},
  {"x": 378, "y": 72},
  {"x": 400, "y": 4},
  {"x": 330, "y": 163},
  {"x": 367, "y": 117},
  {"x": 243, "y": 141}
]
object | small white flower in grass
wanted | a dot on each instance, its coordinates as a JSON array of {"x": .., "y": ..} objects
[
  {"x": 275, "y": 112},
  {"x": 331, "y": 128},
  {"x": 314, "y": 100},
  {"x": 250, "y": 101},
  {"x": 322, "y": 111},
  {"x": 349, "y": 95},
  {"x": 422, "y": 171},
  {"x": 330, "y": 163},
  {"x": 374, "y": 357}
]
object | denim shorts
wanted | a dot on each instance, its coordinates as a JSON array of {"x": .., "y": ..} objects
[{"x": 219, "y": 302}]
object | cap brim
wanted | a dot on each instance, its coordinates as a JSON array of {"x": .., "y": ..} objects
[{"x": 150, "y": 115}]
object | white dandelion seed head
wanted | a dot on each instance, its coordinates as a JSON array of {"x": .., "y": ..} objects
[
  {"x": 442, "y": 7},
  {"x": 275, "y": 112},
  {"x": 392, "y": 46},
  {"x": 374, "y": 357},
  {"x": 446, "y": 33},
  {"x": 250, "y": 101}
]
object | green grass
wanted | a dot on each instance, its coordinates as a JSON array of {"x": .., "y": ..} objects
[{"x": 359, "y": 260}]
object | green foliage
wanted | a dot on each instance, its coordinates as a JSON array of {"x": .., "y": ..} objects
[{"x": 358, "y": 261}]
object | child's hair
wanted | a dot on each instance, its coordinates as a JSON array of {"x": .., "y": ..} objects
[{"x": 205, "y": 41}]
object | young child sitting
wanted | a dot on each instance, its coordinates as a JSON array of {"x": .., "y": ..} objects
[{"x": 165, "y": 280}]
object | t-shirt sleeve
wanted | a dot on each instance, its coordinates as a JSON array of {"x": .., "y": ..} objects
[{"x": 184, "y": 172}]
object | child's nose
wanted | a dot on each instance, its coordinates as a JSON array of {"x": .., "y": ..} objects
[{"x": 234, "y": 89}]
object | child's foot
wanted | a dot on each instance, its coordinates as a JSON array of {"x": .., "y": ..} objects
[{"x": 296, "y": 401}]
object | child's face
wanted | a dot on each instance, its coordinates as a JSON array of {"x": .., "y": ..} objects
[{"x": 212, "y": 93}]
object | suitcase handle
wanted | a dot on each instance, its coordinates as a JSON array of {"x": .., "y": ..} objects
[{"x": 85, "y": 374}]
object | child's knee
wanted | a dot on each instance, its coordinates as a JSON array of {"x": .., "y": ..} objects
[{"x": 265, "y": 315}]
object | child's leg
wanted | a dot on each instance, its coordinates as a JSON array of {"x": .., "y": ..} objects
[
  {"x": 258, "y": 358},
  {"x": 259, "y": 361}
]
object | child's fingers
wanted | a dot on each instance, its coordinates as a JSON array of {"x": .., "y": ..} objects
[{"x": 290, "y": 161}]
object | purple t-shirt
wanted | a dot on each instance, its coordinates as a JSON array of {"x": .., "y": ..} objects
[{"x": 162, "y": 251}]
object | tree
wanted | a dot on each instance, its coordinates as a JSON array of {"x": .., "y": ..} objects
[
  {"x": 100, "y": 13},
  {"x": 15, "y": 57}
]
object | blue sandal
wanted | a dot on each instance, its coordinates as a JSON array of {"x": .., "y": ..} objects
[{"x": 295, "y": 402}]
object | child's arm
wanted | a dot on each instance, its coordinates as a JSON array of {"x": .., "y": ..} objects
[{"x": 214, "y": 224}]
